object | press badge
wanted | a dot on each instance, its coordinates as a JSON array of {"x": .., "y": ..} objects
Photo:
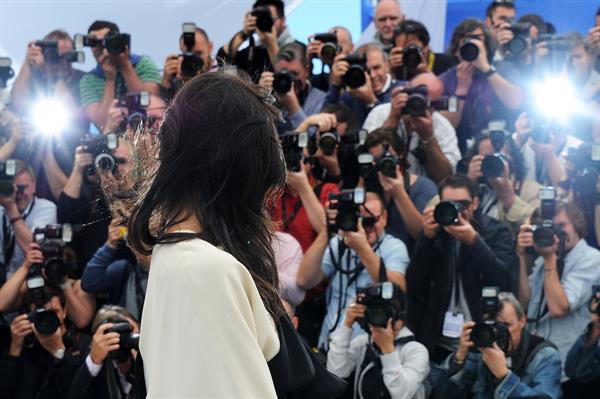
[{"x": 453, "y": 324}]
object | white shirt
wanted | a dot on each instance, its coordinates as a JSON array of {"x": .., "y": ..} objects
[
  {"x": 205, "y": 331},
  {"x": 444, "y": 133},
  {"x": 38, "y": 214},
  {"x": 530, "y": 158}
]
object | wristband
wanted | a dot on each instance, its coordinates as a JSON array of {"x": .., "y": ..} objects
[
  {"x": 15, "y": 220},
  {"x": 59, "y": 354},
  {"x": 65, "y": 285},
  {"x": 489, "y": 72}
]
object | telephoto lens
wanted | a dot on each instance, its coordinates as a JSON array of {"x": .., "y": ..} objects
[
  {"x": 355, "y": 76},
  {"x": 492, "y": 166},
  {"x": 484, "y": 335},
  {"x": 411, "y": 56},
  {"x": 45, "y": 321},
  {"x": 446, "y": 213},
  {"x": 469, "y": 51},
  {"x": 328, "y": 142},
  {"x": 282, "y": 81}
]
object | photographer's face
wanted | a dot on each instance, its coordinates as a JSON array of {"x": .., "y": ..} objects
[
  {"x": 373, "y": 208},
  {"x": 98, "y": 34},
  {"x": 378, "y": 70},
  {"x": 300, "y": 71},
  {"x": 404, "y": 40},
  {"x": 499, "y": 16},
  {"x": 24, "y": 199},
  {"x": 55, "y": 305},
  {"x": 581, "y": 62},
  {"x": 202, "y": 48},
  {"x": 562, "y": 220},
  {"x": 461, "y": 195},
  {"x": 387, "y": 17},
  {"x": 508, "y": 315},
  {"x": 344, "y": 41},
  {"x": 379, "y": 149}
]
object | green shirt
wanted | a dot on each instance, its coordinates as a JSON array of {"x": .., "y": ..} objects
[{"x": 91, "y": 86}]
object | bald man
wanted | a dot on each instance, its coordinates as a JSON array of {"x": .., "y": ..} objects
[
  {"x": 431, "y": 135},
  {"x": 388, "y": 15}
]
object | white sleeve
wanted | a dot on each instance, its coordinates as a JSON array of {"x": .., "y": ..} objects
[
  {"x": 403, "y": 377},
  {"x": 339, "y": 359},
  {"x": 376, "y": 117},
  {"x": 92, "y": 367},
  {"x": 445, "y": 135}
]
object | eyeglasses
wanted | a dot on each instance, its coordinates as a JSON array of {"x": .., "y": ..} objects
[
  {"x": 464, "y": 203},
  {"x": 369, "y": 222}
]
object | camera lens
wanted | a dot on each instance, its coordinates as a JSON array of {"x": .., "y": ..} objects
[
  {"x": 446, "y": 213},
  {"x": 387, "y": 166},
  {"x": 264, "y": 20},
  {"x": 355, "y": 77},
  {"x": 190, "y": 65},
  {"x": 6, "y": 188},
  {"x": 469, "y": 51},
  {"x": 293, "y": 158},
  {"x": 543, "y": 236},
  {"x": 347, "y": 220},
  {"x": 45, "y": 321},
  {"x": 416, "y": 105},
  {"x": 104, "y": 161},
  {"x": 492, "y": 166},
  {"x": 517, "y": 46},
  {"x": 328, "y": 142},
  {"x": 282, "y": 82},
  {"x": 328, "y": 53},
  {"x": 115, "y": 45},
  {"x": 51, "y": 56},
  {"x": 55, "y": 270},
  {"x": 377, "y": 315},
  {"x": 483, "y": 335},
  {"x": 411, "y": 57}
]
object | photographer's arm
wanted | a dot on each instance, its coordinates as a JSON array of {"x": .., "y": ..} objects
[
  {"x": 558, "y": 304},
  {"x": 509, "y": 94},
  {"x": 81, "y": 306},
  {"x": 55, "y": 176},
  {"x": 134, "y": 83},
  {"x": 13, "y": 290},
  {"x": 310, "y": 272},
  {"x": 23, "y": 234},
  {"x": 313, "y": 207},
  {"x": 98, "y": 111},
  {"x": 524, "y": 288},
  {"x": 21, "y": 90}
]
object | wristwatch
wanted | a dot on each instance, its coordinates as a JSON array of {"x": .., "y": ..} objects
[
  {"x": 59, "y": 354},
  {"x": 489, "y": 72}
]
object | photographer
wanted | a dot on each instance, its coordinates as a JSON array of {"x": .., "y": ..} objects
[
  {"x": 387, "y": 17},
  {"x": 21, "y": 212},
  {"x": 406, "y": 194},
  {"x": 517, "y": 364},
  {"x": 45, "y": 366},
  {"x": 413, "y": 36},
  {"x": 594, "y": 37},
  {"x": 556, "y": 292},
  {"x": 173, "y": 78},
  {"x": 118, "y": 117},
  {"x": 430, "y": 140},
  {"x": 108, "y": 370},
  {"x": 485, "y": 90},
  {"x": 504, "y": 193},
  {"x": 352, "y": 259},
  {"x": 113, "y": 270},
  {"x": 114, "y": 75},
  {"x": 290, "y": 84},
  {"x": 376, "y": 89},
  {"x": 313, "y": 50},
  {"x": 386, "y": 361},
  {"x": 497, "y": 18},
  {"x": 458, "y": 253}
]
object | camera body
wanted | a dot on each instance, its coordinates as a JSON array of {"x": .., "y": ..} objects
[
  {"x": 412, "y": 56},
  {"x": 355, "y": 76},
  {"x": 446, "y": 213},
  {"x": 418, "y": 102},
  {"x": 544, "y": 232},
  {"x": 492, "y": 166},
  {"x": 8, "y": 170},
  {"x": 46, "y": 321},
  {"x": 484, "y": 334},
  {"x": 282, "y": 81},
  {"x": 468, "y": 50},
  {"x": 518, "y": 45},
  {"x": 128, "y": 340},
  {"x": 264, "y": 20},
  {"x": 6, "y": 71},
  {"x": 382, "y": 302},
  {"x": 52, "y": 240},
  {"x": 330, "y": 46},
  {"x": 50, "y": 51},
  {"x": 348, "y": 203},
  {"x": 586, "y": 160},
  {"x": 136, "y": 105},
  {"x": 293, "y": 144},
  {"x": 191, "y": 64},
  {"x": 115, "y": 43},
  {"x": 385, "y": 163},
  {"x": 101, "y": 147}
]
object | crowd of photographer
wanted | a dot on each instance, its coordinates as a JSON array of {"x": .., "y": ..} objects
[{"x": 437, "y": 235}]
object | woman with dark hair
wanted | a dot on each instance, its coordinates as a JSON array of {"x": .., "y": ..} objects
[{"x": 208, "y": 325}]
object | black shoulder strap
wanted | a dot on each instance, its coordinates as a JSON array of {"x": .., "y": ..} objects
[{"x": 383, "y": 277}]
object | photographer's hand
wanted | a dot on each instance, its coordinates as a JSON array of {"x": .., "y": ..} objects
[
  {"x": 548, "y": 253},
  {"x": 495, "y": 360},
  {"x": 463, "y": 231},
  {"x": 34, "y": 56},
  {"x": 313, "y": 49},
  {"x": 430, "y": 227},
  {"x": 266, "y": 80},
  {"x": 504, "y": 34},
  {"x": 364, "y": 93},
  {"x": 269, "y": 41},
  {"x": 82, "y": 160},
  {"x": 249, "y": 24},
  {"x": 474, "y": 171},
  {"x": 19, "y": 329},
  {"x": 465, "y": 343},
  {"x": 108, "y": 67},
  {"x": 170, "y": 70},
  {"x": 392, "y": 185},
  {"x": 116, "y": 115},
  {"x": 324, "y": 121},
  {"x": 114, "y": 233},
  {"x": 594, "y": 37},
  {"x": 524, "y": 240},
  {"x": 522, "y": 129},
  {"x": 290, "y": 100},
  {"x": 357, "y": 240},
  {"x": 33, "y": 256},
  {"x": 383, "y": 337},
  {"x": 481, "y": 63},
  {"x": 338, "y": 70},
  {"x": 503, "y": 186},
  {"x": 423, "y": 125},
  {"x": 103, "y": 343},
  {"x": 355, "y": 311},
  {"x": 395, "y": 59}
]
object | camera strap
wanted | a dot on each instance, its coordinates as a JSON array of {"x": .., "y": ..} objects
[
  {"x": 8, "y": 234},
  {"x": 287, "y": 220}
]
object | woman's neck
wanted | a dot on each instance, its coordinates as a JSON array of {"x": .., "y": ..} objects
[{"x": 191, "y": 223}]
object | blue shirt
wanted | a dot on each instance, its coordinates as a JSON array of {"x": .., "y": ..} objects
[
  {"x": 581, "y": 271},
  {"x": 312, "y": 105},
  {"x": 583, "y": 364},
  {"x": 393, "y": 253}
]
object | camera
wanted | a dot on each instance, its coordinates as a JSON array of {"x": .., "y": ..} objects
[
  {"x": 50, "y": 51},
  {"x": 52, "y": 240},
  {"x": 469, "y": 50},
  {"x": 348, "y": 204},
  {"x": 595, "y": 298},
  {"x": 6, "y": 71},
  {"x": 553, "y": 42},
  {"x": 330, "y": 46},
  {"x": 8, "y": 170},
  {"x": 191, "y": 63},
  {"x": 484, "y": 334},
  {"x": 355, "y": 76},
  {"x": 264, "y": 20},
  {"x": 282, "y": 81},
  {"x": 136, "y": 105},
  {"x": 128, "y": 340},
  {"x": 418, "y": 102},
  {"x": 492, "y": 166},
  {"x": 385, "y": 163},
  {"x": 518, "y": 45},
  {"x": 544, "y": 233},
  {"x": 382, "y": 302},
  {"x": 328, "y": 142},
  {"x": 115, "y": 43},
  {"x": 412, "y": 56},
  {"x": 446, "y": 213},
  {"x": 46, "y": 321},
  {"x": 586, "y": 160},
  {"x": 101, "y": 147},
  {"x": 293, "y": 144}
]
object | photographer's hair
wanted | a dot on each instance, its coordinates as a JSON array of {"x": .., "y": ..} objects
[
  {"x": 459, "y": 181},
  {"x": 509, "y": 298},
  {"x": 412, "y": 27},
  {"x": 278, "y": 4},
  {"x": 489, "y": 11},
  {"x": 388, "y": 135},
  {"x": 48, "y": 292},
  {"x": 23, "y": 167},
  {"x": 100, "y": 24},
  {"x": 339, "y": 27},
  {"x": 219, "y": 161},
  {"x": 574, "y": 213},
  {"x": 467, "y": 27},
  {"x": 370, "y": 48},
  {"x": 342, "y": 113},
  {"x": 112, "y": 313},
  {"x": 516, "y": 160},
  {"x": 576, "y": 40},
  {"x": 536, "y": 21},
  {"x": 59, "y": 34},
  {"x": 373, "y": 195},
  {"x": 293, "y": 51}
]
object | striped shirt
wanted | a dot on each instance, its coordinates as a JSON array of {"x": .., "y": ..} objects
[{"x": 91, "y": 86}]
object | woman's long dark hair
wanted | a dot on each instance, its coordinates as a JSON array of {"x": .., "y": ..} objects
[{"x": 219, "y": 160}]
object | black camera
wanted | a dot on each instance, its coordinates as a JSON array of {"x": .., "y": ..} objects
[
  {"x": 282, "y": 81},
  {"x": 115, "y": 43},
  {"x": 328, "y": 141},
  {"x": 191, "y": 63},
  {"x": 492, "y": 166},
  {"x": 544, "y": 232},
  {"x": 52, "y": 240},
  {"x": 8, "y": 170},
  {"x": 446, "y": 212},
  {"x": 264, "y": 20},
  {"x": 6, "y": 71},
  {"x": 46, "y": 321},
  {"x": 382, "y": 302},
  {"x": 418, "y": 102},
  {"x": 101, "y": 147},
  {"x": 355, "y": 75},
  {"x": 412, "y": 56},
  {"x": 128, "y": 340},
  {"x": 330, "y": 46},
  {"x": 385, "y": 163},
  {"x": 469, "y": 50},
  {"x": 586, "y": 161},
  {"x": 348, "y": 203},
  {"x": 489, "y": 331},
  {"x": 293, "y": 144},
  {"x": 136, "y": 105},
  {"x": 518, "y": 45},
  {"x": 50, "y": 51}
]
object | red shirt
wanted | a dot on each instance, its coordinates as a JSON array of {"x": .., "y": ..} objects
[{"x": 291, "y": 217}]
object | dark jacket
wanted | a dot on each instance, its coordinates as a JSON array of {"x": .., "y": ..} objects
[
  {"x": 429, "y": 281},
  {"x": 86, "y": 386}
]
